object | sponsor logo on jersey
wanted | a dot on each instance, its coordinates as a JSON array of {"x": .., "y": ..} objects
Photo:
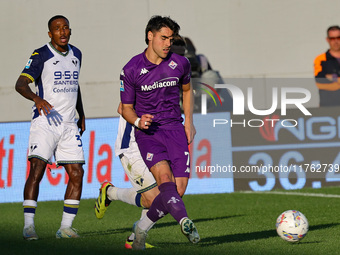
[
  {"x": 71, "y": 82},
  {"x": 143, "y": 71},
  {"x": 167, "y": 82},
  {"x": 149, "y": 156},
  {"x": 173, "y": 64},
  {"x": 121, "y": 85},
  {"x": 56, "y": 62},
  {"x": 66, "y": 77},
  {"x": 29, "y": 62},
  {"x": 65, "y": 90}
]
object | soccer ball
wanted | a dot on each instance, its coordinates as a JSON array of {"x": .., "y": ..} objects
[{"x": 292, "y": 226}]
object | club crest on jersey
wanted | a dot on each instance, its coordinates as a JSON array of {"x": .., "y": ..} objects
[
  {"x": 33, "y": 147},
  {"x": 149, "y": 156},
  {"x": 29, "y": 62},
  {"x": 173, "y": 64},
  {"x": 75, "y": 61},
  {"x": 161, "y": 214},
  {"x": 143, "y": 71},
  {"x": 140, "y": 181},
  {"x": 121, "y": 85},
  {"x": 173, "y": 200}
]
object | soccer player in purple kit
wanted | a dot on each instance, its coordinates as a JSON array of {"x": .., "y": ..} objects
[{"x": 150, "y": 94}]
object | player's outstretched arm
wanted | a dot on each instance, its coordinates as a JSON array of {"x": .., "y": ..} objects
[
  {"x": 188, "y": 109},
  {"x": 22, "y": 87}
]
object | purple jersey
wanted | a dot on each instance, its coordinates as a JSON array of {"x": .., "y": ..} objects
[{"x": 155, "y": 89}]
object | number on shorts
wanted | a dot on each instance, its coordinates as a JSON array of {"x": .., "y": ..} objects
[
  {"x": 78, "y": 138},
  {"x": 187, "y": 154}
]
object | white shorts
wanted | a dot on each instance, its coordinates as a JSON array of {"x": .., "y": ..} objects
[
  {"x": 62, "y": 141},
  {"x": 139, "y": 175}
]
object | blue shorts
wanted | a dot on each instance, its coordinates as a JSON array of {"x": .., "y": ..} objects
[{"x": 170, "y": 145}]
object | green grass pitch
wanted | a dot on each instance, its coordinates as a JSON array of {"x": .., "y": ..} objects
[{"x": 234, "y": 223}]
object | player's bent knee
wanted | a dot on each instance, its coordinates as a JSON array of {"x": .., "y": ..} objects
[
  {"x": 76, "y": 174},
  {"x": 37, "y": 164},
  {"x": 181, "y": 188},
  {"x": 149, "y": 196},
  {"x": 37, "y": 170},
  {"x": 181, "y": 191},
  {"x": 181, "y": 183},
  {"x": 146, "y": 203}
]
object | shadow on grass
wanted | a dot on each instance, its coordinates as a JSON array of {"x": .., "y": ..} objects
[
  {"x": 209, "y": 241},
  {"x": 158, "y": 225},
  {"x": 243, "y": 237},
  {"x": 15, "y": 247}
]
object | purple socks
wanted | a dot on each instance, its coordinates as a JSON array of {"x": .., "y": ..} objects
[{"x": 168, "y": 201}]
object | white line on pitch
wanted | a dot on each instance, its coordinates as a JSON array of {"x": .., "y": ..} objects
[{"x": 292, "y": 193}]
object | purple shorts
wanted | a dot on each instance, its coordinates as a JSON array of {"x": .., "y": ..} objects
[{"x": 170, "y": 145}]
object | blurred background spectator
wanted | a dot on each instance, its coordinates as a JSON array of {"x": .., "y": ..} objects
[{"x": 202, "y": 73}]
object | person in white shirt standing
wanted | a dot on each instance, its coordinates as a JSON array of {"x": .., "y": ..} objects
[
  {"x": 144, "y": 186},
  {"x": 54, "y": 131}
]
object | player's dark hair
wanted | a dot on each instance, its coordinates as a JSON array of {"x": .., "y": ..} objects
[
  {"x": 157, "y": 22},
  {"x": 54, "y": 18},
  {"x": 332, "y": 28}
]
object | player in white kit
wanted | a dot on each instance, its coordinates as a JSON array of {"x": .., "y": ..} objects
[
  {"x": 54, "y": 132},
  {"x": 144, "y": 187}
]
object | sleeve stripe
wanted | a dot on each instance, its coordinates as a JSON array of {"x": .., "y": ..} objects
[{"x": 28, "y": 76}]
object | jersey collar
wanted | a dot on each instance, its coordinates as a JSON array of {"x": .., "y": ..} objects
[
  {"x": 148, "y": 63},
  {"x": 59, "y": 52}
]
